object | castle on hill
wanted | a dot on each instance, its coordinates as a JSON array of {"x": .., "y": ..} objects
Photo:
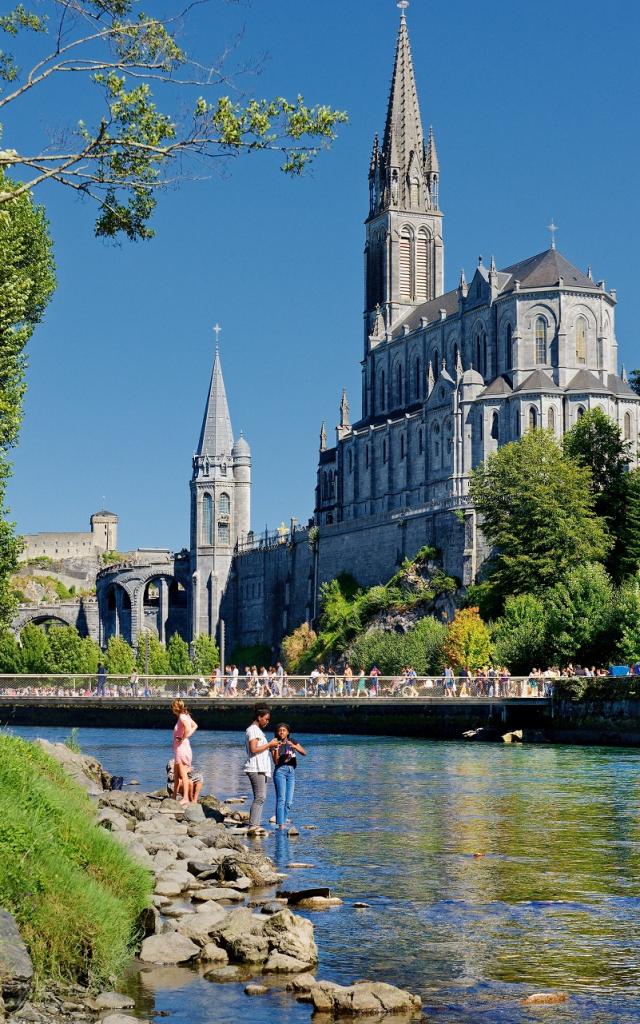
[{"x": 447, "y": 377}]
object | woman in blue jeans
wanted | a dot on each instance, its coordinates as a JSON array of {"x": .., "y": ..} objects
[{"x": 284, "y": 772}]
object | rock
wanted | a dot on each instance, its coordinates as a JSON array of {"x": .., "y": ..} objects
[
  {"x": 193, "y": 812},
  {"x": 213, "y": 808},
  {"x": 221, "y": 974},
  {"x": 169, "y": 826},
  {"x": 155, "y": 843},
  {"x": 178, "y": 910},
  {"x": 86, "y": 771},
  {"x": 212, "y": 952},
  {"x": 310, "y": 827},
  {"x": 160, "y": 901},
  {"x": 545, "y": 998},
  {"x": 168, "y": 889},
  {"x": 294, "y": 896},
  {"x": 248, "y": 949},
  {"x": 199, "y": 927},
  {"x": 113, "y": 1001},
  {"x": 222, "y": 893},
  {"x": 319, "y": 902},
  {"x": 206, "y": 908},
  {"x": 119, "y": 1018},
  {"x": 16, "y": 969},
  {"x": 149, "y": 921},
  {"x": 360, "y": 905},
  {"x": 248, "y": 865},
  {"x": 283, "y": 964},
  {"x": 182, "y": 878},
  {"x": 172, "y": 948},
  {"x": 133, "y": 782},
  {"x": 362, "y": 999},
  {"x": 272, "y": 819},
  {"x": 237, "y": 800},
  {"x": 293, "y": 935},
  {"x": 255, "y": 990},
  {"x": 163, "y": 859},
  {"x": 201, "y": 868},
  {"x": 299, "y": 864},
  {"x": 112, "y": 820},
  {"x": 293, "y": 831},
  {"x": 28, "y": 1012},
  {"x": 302, "y": 982},
  {"x": 271, "y": 908},
  {"x": 239, "y": 884}
]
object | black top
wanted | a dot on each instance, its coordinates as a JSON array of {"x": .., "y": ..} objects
[{"x": 285, "y": 755}]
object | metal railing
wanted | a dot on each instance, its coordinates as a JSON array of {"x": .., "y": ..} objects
[{"x": 327, "y": 686}]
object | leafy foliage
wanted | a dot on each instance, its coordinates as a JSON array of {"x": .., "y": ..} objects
[
  {"x": 120, "y": 658},
  {"x": 520, "y": 635},
  {"x": 468, "y": 641},
  {"x": 536, "y": 507},
  {"x": 206, "y": 656},
  {"x": 11, "y": 660},
  {"x": 629, "y": 537},
  {"x": 297, "y": 645},
  {"x": 178, "y": 656},
  {"x": 36, "y": 653},
  {"x": 634, "y": 381},
  {"x": 628, "y": 621},
  {"x": 157, "y": 655},
  {"x": 420, "y": 647},
  {"x": 580, "y": 615},
  {"x": 257, "y": 654},
  {"x": 70, "y": 652},
  {"x": 131, "y": 150}
]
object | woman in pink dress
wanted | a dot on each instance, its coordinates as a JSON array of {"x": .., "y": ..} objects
[{"x": 183, "y": 729}]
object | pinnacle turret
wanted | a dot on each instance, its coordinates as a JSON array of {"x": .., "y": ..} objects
[{"x": 216, "y": 436}]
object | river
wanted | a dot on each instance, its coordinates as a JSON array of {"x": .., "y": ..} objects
[{"x": 553, "y": 903}]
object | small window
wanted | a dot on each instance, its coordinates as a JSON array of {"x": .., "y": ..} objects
[
  {"x": 541, "y": 340},
  {"x": 417, "y": 380},
  {"x": 350, "y": 458},
  {"x": 207, "y": 519},
  {"x": 627, "y": 426},
  {"x": 551, "y": 419},
  {"x": 402, "y": 446},
  {"x": 481, "y": 425},
  {"x": 384, "y": 450},
  {"x": 533, "y": 418},
  {"x": 509, "y": 347},
  {"x": 580, "y": 412},
  {"x": 436, "y": 364},
  {"x": 383, "y": 391},
  {"x": 224, "y": 504},
  {"x": 495, "y": 427},
  {"x": 581, "y": 340},
  {"x": 366, "y": 456},
  {"x": 420, "y": 441},
  {"x": 223, "y": 533},
  {"x": 516, "y": 424}
]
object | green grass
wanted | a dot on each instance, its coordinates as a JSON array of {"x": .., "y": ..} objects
[{"x": 74, "y": 891}]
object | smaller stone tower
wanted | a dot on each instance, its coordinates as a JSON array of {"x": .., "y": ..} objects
[
  {"x": 220, "y": 506},
  {"x": 104, "y": 527}
]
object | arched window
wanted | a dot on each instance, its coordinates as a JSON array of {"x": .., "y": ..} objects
[
  {"x": 223, "y": 533},
  {"x": 480, "y": 425},
  {"x": 402, "y": 448},
  {"x": 477, "y": 359},
  {"x": 224, "y": 504},
  {"x": 509, "y": 348},
  {"x": 551, "y": 419},
  {"x": 533, "y": 417},
  {"x": 581, "y": 340},
  {"x": 384, "y": 450},
  {"x": 383, "y": 391},
  {"x": 495, "y": 427},
  {"x": 455, "y": 355},
  {"x": 207, "y": 519},
  {"x": 541, "y": 340},
  {"x": 399, "y": 397},
  {"x": 580, "y": 412},
  {"x": 366, "y": 456},
  {"x": 600, "y": 353},
  {"x": 420, "y": 441},
  {"x": 486, "y": 369},
  {"x": 627, "y": 426},
  {"x": 436, "y": 364},
  {"x": 422, "y": 266},
  {"x": 436, "y": 444},
  {"x": 350, "y": 459},
  {"x": 406, "y": 261},
  {"x": 516, "y": 423},
  {"x": 417, "y": 381}
]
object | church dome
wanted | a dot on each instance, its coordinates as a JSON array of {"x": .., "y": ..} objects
[
  {"x": 241, "y": 448},
  {"x": 472, "y": 377}
]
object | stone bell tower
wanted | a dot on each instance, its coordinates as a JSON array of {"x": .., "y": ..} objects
[{"x": 220, "y": 505}]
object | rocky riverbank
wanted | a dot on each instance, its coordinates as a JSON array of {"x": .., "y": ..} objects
[{"x": 214, "y": 908}]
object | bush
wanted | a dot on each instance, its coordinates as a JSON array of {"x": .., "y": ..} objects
[
  {"x": 628, "y": 621},
  {"x": 580, "y": 616},
  {"x": 468, "y": 642},
  {"x": 72, "y": 653},
  {"x": 158, "y": 657},
  {"x": 120, "y": 658},
  {"x": 258, "y": 654},
  {"x": 421, "y": 647},
  {"x": 36, "y": 653},
  {"x": 178, "y": 656},
  {"x": 297, "y": 645},
  {"x": 11, "y": 660},
  {"x": 75, "y": 892},
  {"x": 206, "y": 656},
  {"x": 520, "y": 636}
]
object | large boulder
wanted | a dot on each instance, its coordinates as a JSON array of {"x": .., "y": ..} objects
[
  {"x": 86, "y": 771},
  {"x": 283, "y": 964},
  {"x": 168, "y": 948},
  {"x": 16, "y": 969},
  {"x": 200, "y": 927},
  {"x": 287, "y": 933},
  {"x": 365, "y": 998}
]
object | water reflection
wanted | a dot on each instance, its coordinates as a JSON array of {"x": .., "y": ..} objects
[{"x": 551, "y": 903}]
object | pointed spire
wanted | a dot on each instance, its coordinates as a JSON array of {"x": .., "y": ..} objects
[
  {"x": 216, "y": 436},
  {"x": 323, "y": 437},
  {"x": 432, "y": 165},
  {"x": 375, "y": 156},
  {"x": 462, "y": 283},
  {"x": 623, "y": 374},
  {"x": 344, "y": 409},
  {"x": 430, "y": 379},
  {"x": 403, "y": 135},
  {"x": 459, "y": 370}
]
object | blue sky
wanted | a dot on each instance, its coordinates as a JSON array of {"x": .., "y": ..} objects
[{"x": 534, "y": 106}]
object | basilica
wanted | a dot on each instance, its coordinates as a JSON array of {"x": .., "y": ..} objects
[{"x": 447, "y": 377}]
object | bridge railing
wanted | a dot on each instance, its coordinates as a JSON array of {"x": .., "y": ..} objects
[{"x": 328, "y": 686}]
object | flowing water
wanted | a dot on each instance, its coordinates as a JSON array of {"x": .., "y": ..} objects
[{"x": 553, "y": 903}]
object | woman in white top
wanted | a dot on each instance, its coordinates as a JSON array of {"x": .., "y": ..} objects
[{"x": 258, "y": 764}]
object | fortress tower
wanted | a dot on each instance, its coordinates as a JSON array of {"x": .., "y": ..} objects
[{"x": 220, "y": 505}]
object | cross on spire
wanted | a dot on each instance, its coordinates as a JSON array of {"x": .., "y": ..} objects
[
  {"x": 216, "y": 330},
  {"x": 402, "y": 5},
  {"x": 552, "y": 228}
]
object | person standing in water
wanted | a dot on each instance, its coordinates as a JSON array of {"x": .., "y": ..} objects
[
  {"x": 284, "y": 772},
  {"x": 182, "y": 731},
  {"x": 258, "y": 764}
]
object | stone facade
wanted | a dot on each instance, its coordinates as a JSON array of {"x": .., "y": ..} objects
[{"x": 57, "y": 546}]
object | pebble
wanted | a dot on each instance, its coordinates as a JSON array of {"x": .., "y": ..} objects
[
  {"x": 360, "y": 905},
  {"x": 293, "y": 831},
  {"x": 299, "y": 864},
  {"x": 133, "y": 782},
  {"x": 545, "y": 998},
  {"x": 255, "y": 990},
  {"x": 309, "y": 827},
  {"x": 113, "y": 1001}
]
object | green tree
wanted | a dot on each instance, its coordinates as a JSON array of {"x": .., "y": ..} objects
[
  {"x": 468, "y": 641},
  {"x": 634, "y": 381},
  {"x": 581, "y": 615},
  {"x": 120, "y": 658},
  {"x": 126, "y": 150},
  {"x": 178, "y": 655},
  {"x": 36, "y": 653},
  {"x": 206, "y": 656},
  {"x": 70, "y": 652},
  {"x": 296, "y": 646},
  {"x": 11, "y": 659},
  {"x": 629, "y": 539},
  {"x": 158, "y": 658},
  {"x": 26, "y": 283},
  {"x": 536, "y": 508},
  {"x": 628, "y": 621},
  {"x": 420, "y": 647},
  {"x": 520, "y": 635}
]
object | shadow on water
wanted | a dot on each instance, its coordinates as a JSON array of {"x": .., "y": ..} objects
[{"x": 490, "y": 872}]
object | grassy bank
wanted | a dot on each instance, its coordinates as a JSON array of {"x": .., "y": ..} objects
[{"x": 76, "y": 894}]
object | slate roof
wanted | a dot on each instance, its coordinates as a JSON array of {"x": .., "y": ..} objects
[
  {"x": 545, "y": 270},
  {"x": 584, "y": 380},
  {"x": 538, "y": 381},
  {"x": 621, "y": 388},
  {"x": 430, "y": 310},
  {"x": 498, "y": 387}
]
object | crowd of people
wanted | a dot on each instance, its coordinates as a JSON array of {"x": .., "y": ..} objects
[
  {"x": 277, "y": 758},
  {"x": 329, "y": 682}
]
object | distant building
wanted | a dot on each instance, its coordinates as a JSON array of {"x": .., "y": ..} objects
[{"x": 57, "y": 546}]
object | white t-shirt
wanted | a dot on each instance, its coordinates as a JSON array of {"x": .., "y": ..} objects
[{"x": 257, "y": 762}]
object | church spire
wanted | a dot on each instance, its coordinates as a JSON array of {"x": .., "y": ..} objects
[{"x": 216, "y": 437}]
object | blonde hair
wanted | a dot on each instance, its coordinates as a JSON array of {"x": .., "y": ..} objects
[{"x": 179, "y": 707}]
